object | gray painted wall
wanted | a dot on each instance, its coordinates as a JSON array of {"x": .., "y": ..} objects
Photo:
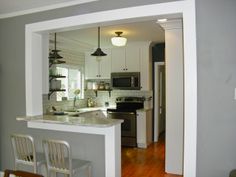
[
  {"x": 12, "y": 88},
  {"x": 216, "y": 43}
]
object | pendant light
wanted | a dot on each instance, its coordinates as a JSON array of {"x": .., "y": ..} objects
[
  {"x": 54, "y": 56},
  {"x": 99, "y": 52},
  {"x": 118, "y": 40}
]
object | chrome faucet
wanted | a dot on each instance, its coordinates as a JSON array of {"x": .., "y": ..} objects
[{"x": 74, "y": 101}]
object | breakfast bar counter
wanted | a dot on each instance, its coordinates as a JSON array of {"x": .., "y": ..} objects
[
  {"x": 109, "y": 128},
  {"x": 71, "y": 120}
]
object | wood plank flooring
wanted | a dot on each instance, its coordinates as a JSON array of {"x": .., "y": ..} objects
[{"x": 148, "y": 162}]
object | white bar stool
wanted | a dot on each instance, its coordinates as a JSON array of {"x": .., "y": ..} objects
[
  {"x": 59, "y": 159},
  {"x": 25, "y": 153}
]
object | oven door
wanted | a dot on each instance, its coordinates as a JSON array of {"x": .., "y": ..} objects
[{"x": 128, "y": 127}]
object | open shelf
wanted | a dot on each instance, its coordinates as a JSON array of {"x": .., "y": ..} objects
[
  {"x": 108, "y": 90},
  {"x": 55, "y": 61},
  {"x": 51, "y": 77},
  {"x": 51, "y": 91}
]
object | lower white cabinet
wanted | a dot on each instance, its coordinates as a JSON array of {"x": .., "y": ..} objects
[{"x": 144, "y": 128}]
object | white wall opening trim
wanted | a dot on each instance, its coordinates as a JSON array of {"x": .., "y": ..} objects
[{"x": 186, "y": 8}]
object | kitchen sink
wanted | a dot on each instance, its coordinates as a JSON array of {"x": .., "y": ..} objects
[{"x": 71, "y": 110}]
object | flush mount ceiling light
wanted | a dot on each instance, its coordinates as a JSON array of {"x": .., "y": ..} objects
[
  {"x": 118, "y": 40},
  {"x": 161, "y": 20},
  {"x": 99, "y": 52}
]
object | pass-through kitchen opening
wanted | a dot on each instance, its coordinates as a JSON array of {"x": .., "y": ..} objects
[{"x": 121, "y": 82}]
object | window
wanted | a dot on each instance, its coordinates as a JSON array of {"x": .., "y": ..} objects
[{"x": 74, "y": 80}]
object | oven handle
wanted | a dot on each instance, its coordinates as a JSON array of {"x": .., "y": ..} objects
[{"x": 130, "y": 113}]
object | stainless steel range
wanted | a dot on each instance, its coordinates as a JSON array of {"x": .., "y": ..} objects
[{"x": 126, "y": 109}]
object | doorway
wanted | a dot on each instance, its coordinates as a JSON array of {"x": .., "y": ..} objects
[
  {"x": 186, "y": 8},
  {"x": 159, "y": 99}
]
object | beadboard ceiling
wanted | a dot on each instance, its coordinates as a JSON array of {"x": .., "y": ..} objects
[{"x": 134, "y": 32}]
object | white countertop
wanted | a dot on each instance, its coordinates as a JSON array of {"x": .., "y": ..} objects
[{"x": 69, "y": 120}]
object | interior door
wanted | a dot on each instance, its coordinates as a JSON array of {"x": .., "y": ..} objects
[
  {"x": 161, "y": 93},
  {"x": 159, "y": 99}
]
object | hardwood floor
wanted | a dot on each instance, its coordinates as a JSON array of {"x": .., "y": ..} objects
[{"x": 148, "y": 162}]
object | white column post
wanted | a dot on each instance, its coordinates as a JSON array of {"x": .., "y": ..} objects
[
  {"x": 174, "y": 96},
  {"x": 113, "y": 152}
]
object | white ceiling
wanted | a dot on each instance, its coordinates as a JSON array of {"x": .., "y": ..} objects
[{"x": 134, "y": 32}]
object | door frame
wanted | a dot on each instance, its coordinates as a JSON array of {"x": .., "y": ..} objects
[
  {"x": 156, "y": 100},
  {"x": 34, "y": 59}
]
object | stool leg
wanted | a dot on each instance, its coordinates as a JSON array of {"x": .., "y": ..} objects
[
  {"x": 35, "y": 168},
  {"x": 16, "y": 166}
]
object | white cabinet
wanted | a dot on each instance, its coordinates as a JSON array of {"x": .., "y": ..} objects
[
  {"x": 118, "y": 59},
  {"x": 134, "y": 58},
  {"x": 144, "y": 128},
  {"x": 145, "y": 67},
  {"x": 126, "y": 59},
  {"x": 98, "y": 68},
  {"x": 132, "y": 62}
]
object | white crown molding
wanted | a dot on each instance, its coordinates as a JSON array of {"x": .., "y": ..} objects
[
  {"x": 171, "y": 24},
  {"x": 45, "y": 8}
]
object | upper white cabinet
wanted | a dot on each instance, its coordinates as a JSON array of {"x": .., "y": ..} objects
[
  {"x": 98, "y": 68},
  {"x": 146, "y": 67},
  {"x": 118, "y": 59},
  {"x": 125, "y": 59},
  {"x": 132, "y": 61},
  {"x": 134, "y": 58}
]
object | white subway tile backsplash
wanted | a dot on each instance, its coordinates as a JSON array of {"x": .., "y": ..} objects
[{"x": 102, "y": 97}]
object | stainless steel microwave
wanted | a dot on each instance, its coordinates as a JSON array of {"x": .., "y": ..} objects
[{"x": 125, "y": 81}]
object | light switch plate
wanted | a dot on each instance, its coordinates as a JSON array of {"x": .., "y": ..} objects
[{"x": 234, "y": 93}]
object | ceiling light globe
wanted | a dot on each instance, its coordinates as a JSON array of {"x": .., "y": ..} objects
[{"x": 118, "y": 41}]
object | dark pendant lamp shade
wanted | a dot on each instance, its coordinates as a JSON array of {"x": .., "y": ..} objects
[
  {"x": 54, "y": 57},
  {"x": 99, "y": 51},
  {"x": 54, "y": 53}
]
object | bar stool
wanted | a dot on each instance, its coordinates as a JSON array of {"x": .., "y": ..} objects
[
  {"x": 59, "y": 159},
  {"x": 24, "y": 152}
]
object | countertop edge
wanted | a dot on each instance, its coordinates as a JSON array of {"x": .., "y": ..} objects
[{"x": 67, "y": 120}]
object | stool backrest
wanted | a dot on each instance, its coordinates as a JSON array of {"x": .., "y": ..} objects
[
  {"x": 23, "y": 148},
  {"x": 58, "y": 155},
  {"x": 7, "y": 173}
]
